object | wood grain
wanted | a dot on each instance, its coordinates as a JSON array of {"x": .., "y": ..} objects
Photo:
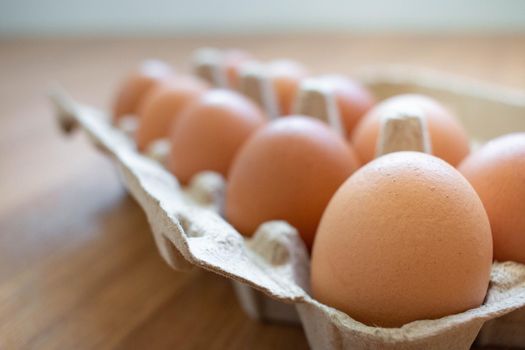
[{"x": 78, "y": 267}]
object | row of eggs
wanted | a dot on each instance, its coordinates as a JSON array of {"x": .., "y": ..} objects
[{"x": 396, "y": 239}]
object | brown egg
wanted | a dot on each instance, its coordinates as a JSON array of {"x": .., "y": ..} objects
[
  {"x": 286, "y": 76},
  {"x": 287, "y": 170},
  {"x": 497, "y": 173},
  {"x": 137, "y": 85},
  {"x": 233, "y": 60},
  {"x": 353, "y": 99},
  {"x": 447, "y": 137},
  {"x": 210, "y": 131},
  {"x": 405, "y": 238},
  {"x": 162, "y": 106}
]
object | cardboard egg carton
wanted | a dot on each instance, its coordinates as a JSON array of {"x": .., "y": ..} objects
[{"x": 189, "y": 231}]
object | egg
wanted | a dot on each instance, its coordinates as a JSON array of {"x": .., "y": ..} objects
[
  {"x": 497, "y": 172},
  {"x": 286, "y": 76},
  {"x": 288, "y": 170},
  {"x": 137, "y": 85},
  {"x": 353, "y": 99},
  {"x": 405, "y": 238},
  {"x": 233, "y": 59},
  {"x": 447, "y": 137},
  {"x": 210, "y": 131},
  {"x": 162, "y": 106}
]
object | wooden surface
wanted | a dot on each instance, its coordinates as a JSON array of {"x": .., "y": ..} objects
[{"x": 78, "y": 267}]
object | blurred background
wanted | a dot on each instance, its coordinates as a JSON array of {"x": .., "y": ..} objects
[
  {"x": 205, "y": 17},
  {"x": 78, "y": 266},
  {"x": 348, "y": 34}
]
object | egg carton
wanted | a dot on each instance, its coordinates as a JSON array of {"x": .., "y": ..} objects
[{"x": 189, "y": 230}]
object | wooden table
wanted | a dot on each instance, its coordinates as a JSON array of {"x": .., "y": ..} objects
[{"x": 78, "y": 267}]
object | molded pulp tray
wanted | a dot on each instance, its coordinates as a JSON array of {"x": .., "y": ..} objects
[{"x": 189, "y": 231}]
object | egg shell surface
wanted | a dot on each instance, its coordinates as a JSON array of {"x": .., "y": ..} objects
[
  {"x": 162, "y": 106},
  {"x": 137, "y": 85},
  {"x": 210, "y": 132},
  {"x": 497, "y": 173},
  {"x": 448, "y": 139},
  {"x": 405, "y": 238},
  {"x": 288, "y": 170}
]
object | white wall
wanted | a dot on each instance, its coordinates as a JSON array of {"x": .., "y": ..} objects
[{"x": 72, "y": 17}]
